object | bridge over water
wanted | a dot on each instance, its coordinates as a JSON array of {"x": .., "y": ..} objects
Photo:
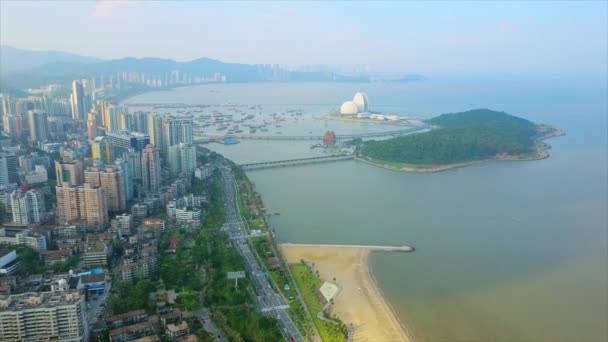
[
  {"x": 295, "y": 162},
  {"x": 312, "y": 137}
]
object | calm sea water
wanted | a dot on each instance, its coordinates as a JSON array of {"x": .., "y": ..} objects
[{"x": 509, "y": 251}]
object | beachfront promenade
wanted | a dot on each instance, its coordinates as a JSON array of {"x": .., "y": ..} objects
[{"x": 368, "y": 247}]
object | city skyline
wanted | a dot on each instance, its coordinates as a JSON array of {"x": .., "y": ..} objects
[
  {"x": 303, "y": 171},
  {"x": 545, "y": 37}
]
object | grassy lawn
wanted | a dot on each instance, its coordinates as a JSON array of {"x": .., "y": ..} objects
[
  {"x": 308, "y": 283},
  {"x": 262, "y": 248},
  {"x": 257, "y": 224}
]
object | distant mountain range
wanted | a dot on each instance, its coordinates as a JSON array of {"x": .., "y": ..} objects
[
  {"x": 20, "y": 69},
  {"x": 14, "y": 59}
]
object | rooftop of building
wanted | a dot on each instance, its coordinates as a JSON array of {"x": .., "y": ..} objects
[
  {"x": 42, "y": 229},
  {"x": 188, "y": 338},
  {"x": 38, "y": 299},
  {"x": 92, "y": 278},
  {"x": 56, "y": 253},
  {"x": 131, "y": 328},
  {"x": 4, "y": 252},
  {"x": 150, "y": 221},
  {"x": 153, "y": 338},
  {"x": 11, "y": 264},
  {"x": 126, "y": 315},
  {"x": 170, "y": 315},
  {"x": 126, "y": 132},
  {"x": 148, "y": 249},
  {"x": 177, "y": 327},
  {"x": 137, "y": 263},
  {"x": 95, "y": 246}
]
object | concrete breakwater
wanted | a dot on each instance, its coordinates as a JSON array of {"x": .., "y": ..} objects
[{"x": 373, "y": 248}]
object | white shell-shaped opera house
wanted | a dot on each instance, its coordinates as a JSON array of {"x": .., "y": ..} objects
[
  {"x": 358, "y": 105},
  {"x": 349, "y": 108},
  {"x": 361, "y": 101}
]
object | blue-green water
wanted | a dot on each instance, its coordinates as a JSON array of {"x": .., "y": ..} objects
[{"x": 511, "y": 251}]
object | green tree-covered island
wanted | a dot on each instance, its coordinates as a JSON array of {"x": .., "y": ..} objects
[{"x": 458, "y": 139}]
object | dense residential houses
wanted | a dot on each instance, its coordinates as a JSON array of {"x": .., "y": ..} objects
[
  {"x": 140, "y": 258},
  {"x": 87, "y": 188},
  {"x": 129, "y": 326}
]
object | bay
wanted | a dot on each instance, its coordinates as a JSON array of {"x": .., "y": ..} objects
[{"x": 506, "y": 251}]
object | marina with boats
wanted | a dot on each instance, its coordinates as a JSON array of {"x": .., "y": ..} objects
[{"x": 228, "y": 123}]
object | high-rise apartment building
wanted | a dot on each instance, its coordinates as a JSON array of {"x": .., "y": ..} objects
[
  {"x": 176, "y": 130},
  {"x": 54, "y": 128},
  {"x": 129, "y": 177},
  {"x": 37, "y": 124},
  {"x": 8, "y": 106},
  {"x": 77, "y": 100},
  {"x": 8, "y": 168},
  {"x": 134, "y": 164},
  {"x": 95, "y": 205},
  {"x": 113, "y": 117},
  {"x": 126, "y": 139},
  {"x": 155, "y": 129},
  {"x": 68, "y": 203},
  {"x": 58, "y": 107},
  {"x": 44, "y": 316},
  {"x": 150, "y": 168},
  {"x": 69, "y": 171},
  {"x": 84, "y": 203},
  {"x": 139, "y": 122},
  {"x": 27, "y": 205},
  {"x": 92, "y": 124},
  {"x": 125, "y": 120},
  {"x": 8, "y": 124},
  {"x": 112, "y": 179},
  {"x": 29, "y": 103},
  {"x": 100, "y": 149},
  {"x": 104, "y": 115},
  {"x": 182, "y": 158}
]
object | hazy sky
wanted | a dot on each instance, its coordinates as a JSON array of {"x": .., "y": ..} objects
[{"x": 543, "y": 36}]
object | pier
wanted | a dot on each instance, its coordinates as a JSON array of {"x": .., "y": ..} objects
[
  {"x": 295, "y": 162},
  {"x": 372, "y": 248}
]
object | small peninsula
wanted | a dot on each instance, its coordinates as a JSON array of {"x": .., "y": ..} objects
[{"x": 459, "y": 139}]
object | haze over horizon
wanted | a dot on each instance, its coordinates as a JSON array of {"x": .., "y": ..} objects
[{"x": 499, "y": 37}]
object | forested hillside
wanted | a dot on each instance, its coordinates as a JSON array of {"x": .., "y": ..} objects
[{"x": 461, "y": 137}]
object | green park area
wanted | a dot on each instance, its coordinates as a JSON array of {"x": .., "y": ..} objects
[
  {"x": 308, "y": 283},
  {"x": 197, "y": 272}
]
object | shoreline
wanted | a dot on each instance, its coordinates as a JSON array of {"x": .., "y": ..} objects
[
  {"x": 360, "y": 304},
  {"x": 370, "y": 274},
  {"x": 421, "y": 169},
  {"x": 541, "y": 153}
]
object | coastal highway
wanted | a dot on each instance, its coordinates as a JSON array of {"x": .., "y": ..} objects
[{"x": 267, "y": 300}]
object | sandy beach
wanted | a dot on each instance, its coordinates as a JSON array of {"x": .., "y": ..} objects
[{"x": 359, "y": 302}]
